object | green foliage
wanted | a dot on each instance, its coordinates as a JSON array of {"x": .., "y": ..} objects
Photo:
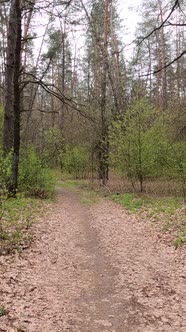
[
  {"x": 69, "y": 183},
  {"x": 130, "y": 148},
  {"x": 34, "y": 179},
  {"x": 53, "y": 148},
  {"x": 16, "y": 218},
  {"x": 166, "y": 205},
  {"x": 167, "y": 211},
  {"x": 3, "y": 311},
  {"x": 88, "y": 197},
  {"x": 155, "y": 205},
  {"x": 180, "y": 238},
  {"x": 76, "y": 161},
  {"x": 13, "y": 208},
  {"x": 128, "y": 201},
  {"x": 5, "y": 170},
  {"x": 1, "y": 123},
  {"x": 54, "y": 44},
  {"x": 142, "y": 146},
  {"x": 82, "y": 188},
  {"x": 157, "y": 144}
]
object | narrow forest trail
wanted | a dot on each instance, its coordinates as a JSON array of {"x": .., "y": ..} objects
[{"x": 91, "y": 268}]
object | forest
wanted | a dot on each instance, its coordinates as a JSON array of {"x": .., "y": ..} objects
[
  {"x": 75, "y": 97},
  {"x": 92, "y": 165}
]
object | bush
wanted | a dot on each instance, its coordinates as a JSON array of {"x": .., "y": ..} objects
[
  {"x": 5, "y": 171},
  {"x": 144, "y": 146},
  {"x": 34, "y": 179},
  {"x": 53, "y": 148},
  {"x": 18, "y": 215},
  {"x": 130, "y": 148},
  {"x": 5, "y": 168},
  {"x": 1, "y": 122},
  {"x": 76, "y": 161}
]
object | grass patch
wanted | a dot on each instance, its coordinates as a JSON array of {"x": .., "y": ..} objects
[
  {"x": 69, "y": 183},
  {"x": 180, "y": 238},
  {"x": 128, "y": 201},
  {"x": 82, "y": 188},
  {"x": 167, "y": 205},
  {"x": 156, "y": 205},
  {"x": 167, "y": 211},
  {"x": 88, "y": 197},
  {"x": 3, "y": 311},
  {"x": 16, "y": 216}
]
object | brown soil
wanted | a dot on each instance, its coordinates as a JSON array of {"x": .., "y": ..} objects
[{"x": 91, "y": 268}]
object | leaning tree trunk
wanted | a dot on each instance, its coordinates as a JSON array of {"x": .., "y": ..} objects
[{"x": 11, "y": 132}]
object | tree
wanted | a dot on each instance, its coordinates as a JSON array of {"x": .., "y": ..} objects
[
  {"x": 131, "y": 146},
  {"x": 105, "y": 74},
  {"x": 11, "y": 131}
]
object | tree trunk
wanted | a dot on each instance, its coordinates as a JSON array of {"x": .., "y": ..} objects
[
  {"x": 8, "y": 130},
  {"x": 163, "y": 63},
  {"x": 11, "y": 138},
  {"x": 103, "y": 150}
]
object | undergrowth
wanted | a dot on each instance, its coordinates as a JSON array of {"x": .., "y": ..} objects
[
  {"x": 15, "y": 219},
  {"x": 3, "y": 311},
  {"x": 127, "y": 200},
  {"x": 69, "y": 183},
  {"x": 35, "y": 178}
]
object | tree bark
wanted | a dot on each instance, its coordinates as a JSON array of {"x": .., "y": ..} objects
[
  {"x": 103, "y": 150},
  {"x": 163, "y": 63},
  {"x": 11, "y": 130},
  {"x": 8, "y": 138},
  {"x": 15, "y": 159}
]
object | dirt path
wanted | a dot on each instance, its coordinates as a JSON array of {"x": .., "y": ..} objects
[{"x": 93, "y": 268}]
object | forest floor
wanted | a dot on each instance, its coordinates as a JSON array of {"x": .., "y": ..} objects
[{"x": 92, "y": 267}]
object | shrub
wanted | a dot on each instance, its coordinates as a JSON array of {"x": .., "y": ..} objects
[
  {"x": 34, "y": 179},
  {"x": 53, "y": 147},
  {"x": 5, "y": 170},
  {"x": 142, "y": 146},
  {"x": 76, "y": 161},
  {"x": 130, "y": 148},
  {"x": 1, "y": 123}
]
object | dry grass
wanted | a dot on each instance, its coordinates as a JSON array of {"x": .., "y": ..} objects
[{"x": 159, "y": 187}]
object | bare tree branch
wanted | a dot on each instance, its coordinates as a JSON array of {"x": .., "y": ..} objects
[
  {"x": 176, "y": 24},
  {"x": 39, "y": 110},
  {"x": 176, "y": 4},
  {"x": 66, "y": 101},
  {"x": 166, "y": 66}
]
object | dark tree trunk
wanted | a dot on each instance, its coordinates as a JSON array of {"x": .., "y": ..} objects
[
  {"x": 103, "y": 170},
  {"x": 103, "y": 148},
  {"x": 8, "y": 136},
  {"x": 163, "y": 63},
  {"x": 61, "y": 119},
  {"x": 11, "y": 133},
  {"x": 16, "y": 147}
]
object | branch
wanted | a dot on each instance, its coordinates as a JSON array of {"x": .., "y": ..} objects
[
  {"x": 166, "y": 66},
  {"x": 59, "y": 95},
  {"x": 40, "y": 82},
  {"x": 177, "y": 24},
  {"x": 39, "y": 110},
  {"x": 161, "y": 25}
]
